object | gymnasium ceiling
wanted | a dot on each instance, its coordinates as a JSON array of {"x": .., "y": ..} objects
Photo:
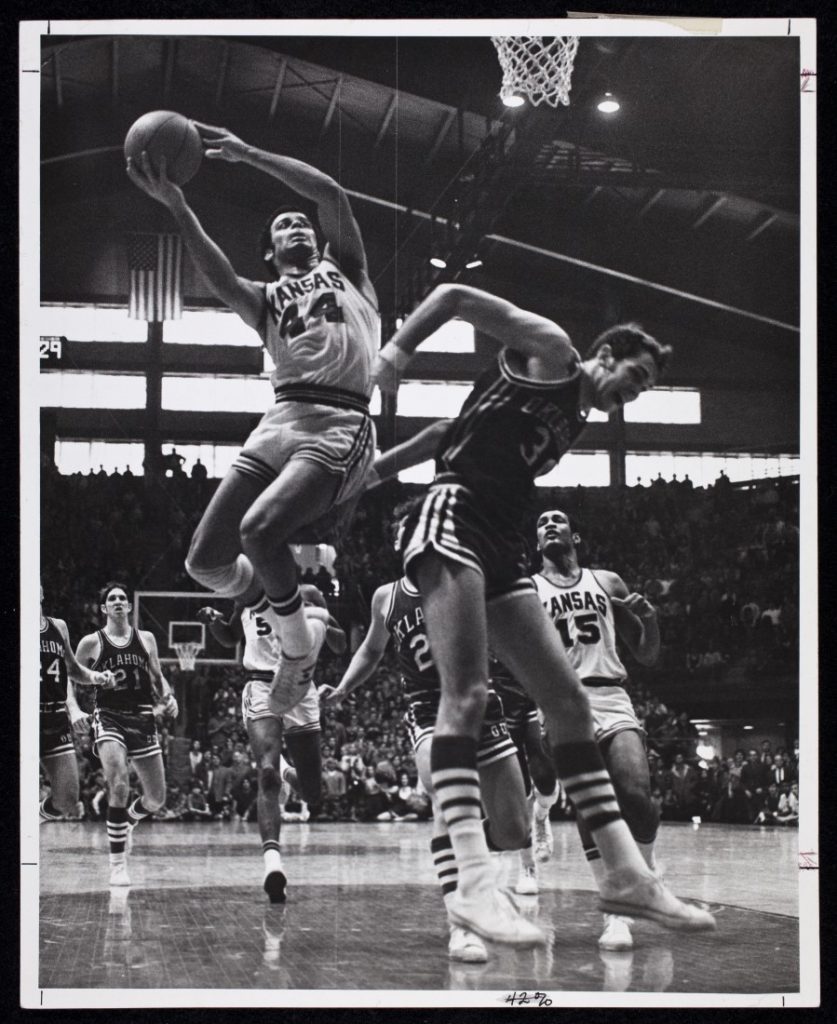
[{"x": 693, "y": 185}]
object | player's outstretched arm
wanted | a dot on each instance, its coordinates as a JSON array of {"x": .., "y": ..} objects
[
  {"x": 228, "y": 632},
  {"x": 333, "y": 209},
  {"x": 635, "y": 618},
  {"x": 368, "y": 656},
  {"x": 155, "y": 670},
  {"x": 244, "y": 297},
  {"x": 531, "y": 335},
  {"x": 79, "y": 720},
  {"x": 77, "y": 664},
  {"x": 409, "y": 453}
]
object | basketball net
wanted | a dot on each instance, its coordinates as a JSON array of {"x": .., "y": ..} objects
[
  {"x": 539, "y": 66},
  {"x": 187, "y": 654}
]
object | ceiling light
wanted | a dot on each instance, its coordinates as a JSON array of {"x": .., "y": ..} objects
[
  {"x": 475, "y": 262},
  {"x": 437, "y": 261},
  {"x": 513, "y": 100},
  {"x": 749, "y": 727},
  {"x": 608, "y": 105}
]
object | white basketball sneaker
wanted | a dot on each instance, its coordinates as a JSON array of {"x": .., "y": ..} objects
[
  {"x": 616, "y": 936},
  {"x": 527, "y": 881},
  {"x": 119, "y": 873},
  {"x": 466, "y": 947},
  {"x": 643, "y": 895},
  {"x": 542, "y": 841},
  {"x": 490, "y": 916}
]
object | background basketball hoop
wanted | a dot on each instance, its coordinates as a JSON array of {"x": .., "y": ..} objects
[
  {"x": 187, "y": 653},
  {"x": 538, "y": 66}
]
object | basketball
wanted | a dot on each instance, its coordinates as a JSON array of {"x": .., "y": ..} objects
[{"x": 164, "y": 133}]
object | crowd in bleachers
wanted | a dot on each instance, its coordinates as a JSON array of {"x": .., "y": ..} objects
[{"x": 719, "y": 562}]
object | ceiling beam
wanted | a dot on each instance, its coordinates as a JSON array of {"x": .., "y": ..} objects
[
  {"x": 169, "y": 59},
  {"x": 709, "y": 211},
  {"x": 444, "y": 128},
  {"x": 763, "y": 225},
  {"x": 332, "y": 106},
  {"x": 114, "y": 71},
  {"x": 222, "y": 74},
  {"x": 277, "y": 86},
  {"x": 393, "y": 103},
  {"x": 652, "y": 202}
]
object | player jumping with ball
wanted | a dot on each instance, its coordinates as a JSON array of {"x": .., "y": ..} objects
[{"x": 311, "y": 451}]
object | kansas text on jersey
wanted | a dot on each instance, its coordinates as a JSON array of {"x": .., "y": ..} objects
[
  {"x": 53, "y": 669},
  {"x": 321, "y": 332},
  {"x": 510, "y": 431},
  {"x": 583, "y": 615},
  {"x": 129, "y": 663}
]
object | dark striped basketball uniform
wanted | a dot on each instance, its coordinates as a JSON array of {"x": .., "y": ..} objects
[
  {"x": 56, "y": 731},
  {"x": 518, "y": 707},
  {"x": 126, "y": 712},
  {"x": 422, "y": 686},
  {"x": 510, "y": 431}
]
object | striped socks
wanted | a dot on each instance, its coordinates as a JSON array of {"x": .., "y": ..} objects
[
  {"x": 445, "y": 863},
  {"x": 136, "y": 812},
  {"x": 453, "y": 764},
  {"x": 587, "y": 783},
  {"x": 272, "y": 857},
  {"x": 286, "y": 614},
  {"x": 117, "y": 824}
]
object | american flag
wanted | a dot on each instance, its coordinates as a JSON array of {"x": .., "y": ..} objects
[{"x": 155, "y": 263}]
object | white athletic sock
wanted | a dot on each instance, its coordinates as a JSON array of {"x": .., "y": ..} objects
[
  {"x": 527, "y": 859},
  {"x": 286, "y": 616},
  {"x": 594, "y": 860},
  {"x": 545, "y": 801},
  {"x": 647, "y": 851},
  {"x": 272, "y": 857}
]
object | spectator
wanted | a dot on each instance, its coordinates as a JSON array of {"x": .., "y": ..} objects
[
  {"x": 754, "y": 778},
  {"x": 787, "y": 813},
  {"x": 197, "y": 806},
  {"x": 334, "y": 791}
]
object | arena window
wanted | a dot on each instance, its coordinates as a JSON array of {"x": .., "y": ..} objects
[
  {"x": 111, "y": 323},
  {"x": 660, "y": 405},
  {"x": 72, "y": 390},
  {"x": 589, "y": 469},
  {"x": 431, "y": 398},
  {"x": 209, "y": 394},
  {"x": 704, "y": 469}
]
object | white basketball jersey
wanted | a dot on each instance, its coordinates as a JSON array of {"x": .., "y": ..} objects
[
  {"x": 320, "y": 329},
  {"x": 583, "y": 615},
  {"x": 261, "y": 645}
]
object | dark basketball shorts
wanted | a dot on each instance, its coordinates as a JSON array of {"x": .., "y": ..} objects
[
  {"x": 456, "y": 524},
  {"x": 56, "y": 734},
  {"x": 136, "y": 731},
  {"x": 494, "y": 744},
  {"x": 518, "y": 707}
]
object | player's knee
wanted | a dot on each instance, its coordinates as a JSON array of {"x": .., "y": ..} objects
[
  {"x": 119, "y": 791},
  {"x": 269, "y": 779},
  {"x": 637, "y": 806},
  {"x": 261, "y": 528}
]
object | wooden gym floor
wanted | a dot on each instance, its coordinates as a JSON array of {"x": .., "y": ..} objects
[{"x": 364, "y": 912}]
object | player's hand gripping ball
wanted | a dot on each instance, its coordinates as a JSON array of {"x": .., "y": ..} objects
[{"x": 164, "y": 133}]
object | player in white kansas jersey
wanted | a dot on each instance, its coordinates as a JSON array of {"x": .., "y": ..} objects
[
  {"x": 590, "y": 609},
  {"x": 300, "y": 727},
  {"x": 311, "y": 451}
]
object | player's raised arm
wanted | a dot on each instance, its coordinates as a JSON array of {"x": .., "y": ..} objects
[
  {"x": 533, "y": 336},
  {"x": 635, "y": 618},
  {"x": 246, "y": 298},
  {"x": 368, "y": 656},
  {"x": 418, "y": 449},
  {"x": 155, "y": 671},
  {"x": 333, "y": 209},
  {"x": 228, "y": 632}
]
